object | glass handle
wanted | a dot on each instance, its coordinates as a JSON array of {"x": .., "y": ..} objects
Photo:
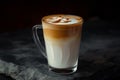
[{"x": 37, "y": 39}]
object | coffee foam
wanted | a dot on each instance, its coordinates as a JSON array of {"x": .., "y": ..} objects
[{"x": 63, "y": 19}]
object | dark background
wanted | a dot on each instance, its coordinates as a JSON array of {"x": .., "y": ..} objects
[{"x": 21, "y": 14}]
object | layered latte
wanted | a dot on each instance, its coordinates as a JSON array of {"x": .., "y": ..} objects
[{"x": 62, "y": 34}]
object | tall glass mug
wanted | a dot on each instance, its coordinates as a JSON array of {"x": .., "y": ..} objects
[{"x": 62, "y": 35}]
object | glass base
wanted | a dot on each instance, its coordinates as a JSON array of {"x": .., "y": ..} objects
[{"x": 70, "y": 70}]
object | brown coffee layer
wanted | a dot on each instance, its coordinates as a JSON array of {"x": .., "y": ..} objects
[{"x": 62, "y": 31}]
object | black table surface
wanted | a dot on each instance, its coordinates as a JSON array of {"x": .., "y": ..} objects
[{"x": 99, "y": 55}]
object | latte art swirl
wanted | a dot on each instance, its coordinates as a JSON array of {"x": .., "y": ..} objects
[{"x": 59, "y": 19}]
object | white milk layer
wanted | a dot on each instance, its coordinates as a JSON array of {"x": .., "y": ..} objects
[{"x": 63, "y": 53}]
